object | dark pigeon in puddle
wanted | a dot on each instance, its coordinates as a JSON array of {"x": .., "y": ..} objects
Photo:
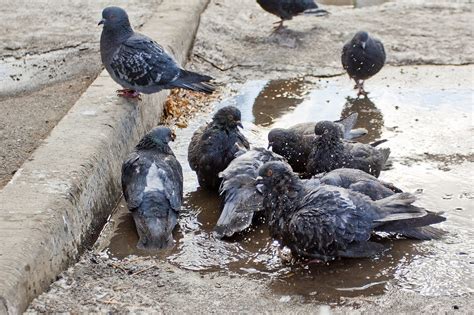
[
  {"x": 139, "y": 64},
  {"x": 287, "y": 9},
  {"x": 360, "y": 181},
  {"x": 296, "y": 143},
  {"x": 240, "y": 199},
  {"x": 214, "y": 146},
  {"x": 152, "y": 183},
  {"x": 330, "y": 152},
  {"x": 362, "y": 57},
  {"x": 328, "y": 222}
]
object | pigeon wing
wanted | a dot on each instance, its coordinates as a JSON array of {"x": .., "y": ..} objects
[
  {"x": 142, "y": 63},
  {"x": 134, "y": 180},
  {"x": 328, "y": 223}
]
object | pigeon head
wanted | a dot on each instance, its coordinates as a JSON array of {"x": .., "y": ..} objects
[
  {"x": 154, "y": 229},
  {"x": 228, "y": 117},
  {"x": 328, "y": 129},
  {"x": 360, "y": 39},
  {"x": 115, "y": 19},
  {"x": 275, "y": 175},
  {"x": 280, "y": 138},
  {"x": 158, "y": 137}
]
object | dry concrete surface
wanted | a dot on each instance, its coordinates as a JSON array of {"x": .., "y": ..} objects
[
  {"x": 233, "y": 44},
  {"x": 58, "y": 200}
]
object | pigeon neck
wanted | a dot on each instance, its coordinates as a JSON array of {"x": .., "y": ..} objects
[
  {"x": 283, "y": 199},
  {"x": 148, "y": 144},
  {"x": 117, "y": 34}
]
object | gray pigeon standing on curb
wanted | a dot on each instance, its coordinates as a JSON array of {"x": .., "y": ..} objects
[
  {"x": 287, "y": 9},
  {"x": 362, "y": 57},
  {"x": 152, "y": 183},
  {"x": 138, "y": 63}
]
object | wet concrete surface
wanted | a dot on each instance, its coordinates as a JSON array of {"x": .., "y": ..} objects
[{"x": 429, "y": 128}]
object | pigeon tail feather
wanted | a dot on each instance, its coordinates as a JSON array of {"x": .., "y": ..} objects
[
  {"x": 316, "y": 12},
  {"x": 194, "y": 81}
]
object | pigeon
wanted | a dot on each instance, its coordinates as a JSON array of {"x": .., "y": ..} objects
[
  {"x": 152, "y": 183},
  {"x": 287, "y": 9},
  {"x": 138, "y": 63},
  {"x": 214, "y": 146},
  {"x": 360, "y": 181},
  {"x": 362, "y": 57},
  {"x": 296, "y": 142},
  {"x": 328, "y": 222},
  {"x": 240, "y": 199},
  {"x": 330, "y": 152}
]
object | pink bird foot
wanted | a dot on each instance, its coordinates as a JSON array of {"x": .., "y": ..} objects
[{"x": 128, "y": 93}]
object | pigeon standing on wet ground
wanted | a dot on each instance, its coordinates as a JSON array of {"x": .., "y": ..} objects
[
  {"x": 214, "y": 146},
  {"x": 330, "y": 152},
  {"x": 362, "y": 57},
  {"x": 296, "y": 142},
  {"x": 328, "y": 222},
  {"x": 287, "y": 9},
  {"x": 138, "y": 63},
  {"x": 152, "y": 183}
]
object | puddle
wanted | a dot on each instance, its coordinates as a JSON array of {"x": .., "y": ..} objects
[{"x": 429, "y": 125}]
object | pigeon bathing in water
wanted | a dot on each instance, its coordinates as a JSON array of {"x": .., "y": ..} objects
[
  {"x": 327, "y": 222},
  {"x": 152, "y": 183},
  {"x": 362, "y": 57},
  {"x": 138, "y": 63},
  {"x": 360, "y": 181},
  {"x": 330, "y": 152},
  {"x": 287, "y": 9},
  {"x": 296, "y": 143},
  {"x": 240, "y": 198},
  {"x": 214, "y": 146}
]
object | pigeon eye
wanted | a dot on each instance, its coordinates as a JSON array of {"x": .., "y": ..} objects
[{"x": 269, "y": 172}]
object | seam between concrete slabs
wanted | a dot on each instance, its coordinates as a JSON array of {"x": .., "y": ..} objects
[{"x": 61, "y": 196}]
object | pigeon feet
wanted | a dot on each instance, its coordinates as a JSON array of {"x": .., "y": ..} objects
[
  {"x": 278, "y": 27},
  {"x": 128, "y": 93},
  {"x": 360, "y": 87}
]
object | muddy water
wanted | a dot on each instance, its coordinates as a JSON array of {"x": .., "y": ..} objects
[{"x": 429, "y": 125}]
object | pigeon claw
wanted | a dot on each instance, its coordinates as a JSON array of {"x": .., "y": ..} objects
[
  {"x": 278, "y": 27},
  {"x": 130, "y": 94},
  {"x": 360, "y": 87}
]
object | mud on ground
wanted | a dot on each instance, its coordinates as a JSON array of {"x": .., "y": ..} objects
[{"x": 233, "y": 45}]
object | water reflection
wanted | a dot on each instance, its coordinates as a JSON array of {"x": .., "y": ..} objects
[
  {"x": 277, "y": 98},
  {"x": 370, "y": 117}
]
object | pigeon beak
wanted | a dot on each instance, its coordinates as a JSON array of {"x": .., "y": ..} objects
[
  {"x": 101, "y": 22},
  {"x": 173, "y": 136},
  {"x": 363, "y": 45},
  {"x": 239, "y": 123},
  {"x": 269, "y": 146},
  {"x": 259, "y": 184}
]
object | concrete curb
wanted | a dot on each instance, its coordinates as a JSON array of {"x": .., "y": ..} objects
[{"x": 60, "y": 198}]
